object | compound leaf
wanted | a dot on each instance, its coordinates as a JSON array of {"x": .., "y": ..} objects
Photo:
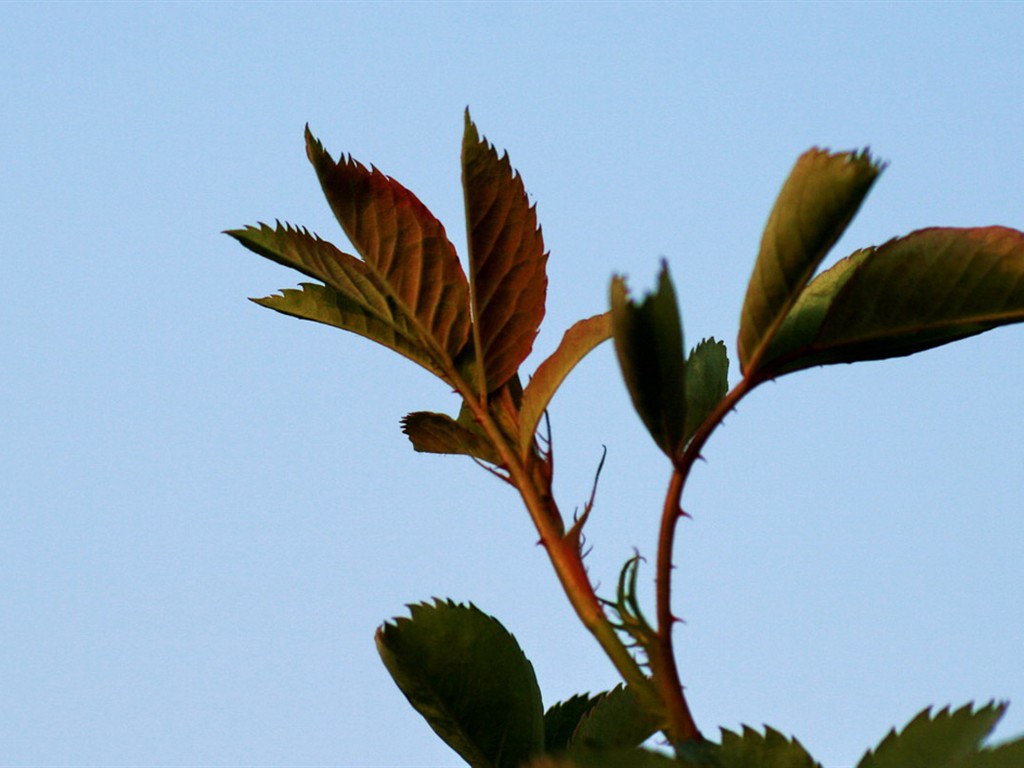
[
  {"x": 932, "y": 287},
  {"x": 945, "y": 740},
  {"x": 438, "y": 433},
  {"x": 577, "y": 342},
  {"x": 466, "y": 674},
  {"x": 403, "y": 246},
  {"x": 507, "y": 260},
  {"x": 707, "y": 381},
  {"x": 649, "y": 344},
  {"x": 817, "y": 202}
]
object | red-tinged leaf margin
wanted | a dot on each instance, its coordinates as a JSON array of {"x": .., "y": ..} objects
[
  {"x": 405, "y": 247},
  {"x": 507, "y": 260},
  {"x": 576, "y": 344}
]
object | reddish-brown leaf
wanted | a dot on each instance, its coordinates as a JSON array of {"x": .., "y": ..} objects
[
  {"x": 577, "y": 342},
  {"x": 506, "y": 260},
  {"x": 401, "y": 242}
]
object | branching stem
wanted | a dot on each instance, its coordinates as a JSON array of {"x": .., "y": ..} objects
[{"x": 563, "y": 552}]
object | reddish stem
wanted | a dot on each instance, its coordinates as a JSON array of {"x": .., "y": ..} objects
[{"x": 667, "y": 676}]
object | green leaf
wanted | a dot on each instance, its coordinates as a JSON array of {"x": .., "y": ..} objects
[
  {"x": 945, "y": 740},
  {"x": 618, "y": 720},
  {"x": 751, "y": 749},
  {"x": 618, "y": 758},
  {"x": 506, "y": 259},
  {"x": 790, "y": 348},
  {"x": 465, "y": 673},
  {"x": 562, "y": 719},
  {"x": 817, "y": 202},
  {"x": 577, "y": 342},
  {"x": 403, "y": 246},
  {"x": 649, "y": 344},
  {"x": 932, "y": 287},
  {"x": 1006, "y": 755},
  {"x": 351, "y": 299},
  {"x": 707, "y": 381},
  {"x": 438, "y": 433}
]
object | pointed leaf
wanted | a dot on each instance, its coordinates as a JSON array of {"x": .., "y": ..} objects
[
  {"x": 562, "y": 719},
  {"x": 438, "y": 433},
  {"x": 506, "y": 259},
  {"x": 618, "y": 720},
  {"x": 351, "y": 298},
  {"x": 945, "y": 740},
  {"x": 577, "y": 342},
  {"x": 751, "y": 749},
  {"x": 465, "y": 673},
  {"x": 404, "y": 247},
  {"x": 932, "y": 287},
  {"x": 649, "y": 344},
  {"x": 323, "y": 304},
  {"x": 707, "y": 381},
  {"x": 817, "y": 202}
]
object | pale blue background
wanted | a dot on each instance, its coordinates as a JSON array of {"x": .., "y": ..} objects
[{"x": 206, "y": 508}]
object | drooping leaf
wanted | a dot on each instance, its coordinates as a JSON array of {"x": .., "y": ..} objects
[
  {"x": 465, "y": 673},
  {"x": 617, "y": 720},
  {"x": 438, "y": 433},
  {"x": 913, "y": 293},
  {"x": 945, "y": 740},
  {"x": 350, "y": 298},
  {"x": 817, "y": 202},
  {"x": 562, "y": 719},
  {"x": 604, "y": 758},
  {"x": 404, "y": 247},
  {"x": 506, "y": 259},
  {"x": 707, "y": 381},
  {"x": 649, "y": 344},
  {"x": 751, "y": 749},
  {"x": 577, "y": 342}
]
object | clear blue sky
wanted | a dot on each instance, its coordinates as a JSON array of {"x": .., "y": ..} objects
[{"x": 207, "y": 508}]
